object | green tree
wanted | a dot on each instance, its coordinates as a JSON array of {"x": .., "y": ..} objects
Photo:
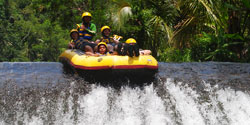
[{"x": 175, "y": 30}]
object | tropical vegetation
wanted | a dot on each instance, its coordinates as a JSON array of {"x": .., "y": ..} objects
[{"x": 175, "y": 30}]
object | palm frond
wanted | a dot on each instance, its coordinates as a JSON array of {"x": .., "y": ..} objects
[
  {"x": 209, "y": 10},
  {"x": 120, "y": 14},
  {"x": 196, "y": 15},
  {"x": 181, "y": 35}
]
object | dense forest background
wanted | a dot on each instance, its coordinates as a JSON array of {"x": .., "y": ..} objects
[{"x": 175, "y": 30}]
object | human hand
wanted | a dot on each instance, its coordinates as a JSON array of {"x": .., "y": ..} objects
[
  {"x": 96, "y": 55},
  {"x": 116, "y": 37},
  {"x": 71, "y": 46},
  {"x": 97, "y": 41},
  {"x": 83, "y": 27}
]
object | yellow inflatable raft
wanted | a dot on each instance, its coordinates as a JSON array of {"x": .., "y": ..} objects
[{"x": 143, "y": 65}]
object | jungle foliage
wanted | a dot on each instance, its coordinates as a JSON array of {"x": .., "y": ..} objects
[{"x": 175, "y": 30}]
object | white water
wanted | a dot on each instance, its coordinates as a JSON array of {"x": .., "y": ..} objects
[{"x": 133, "y": 106}]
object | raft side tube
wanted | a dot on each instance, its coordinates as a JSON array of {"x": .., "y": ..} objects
[{"x": 112, "y": 65}]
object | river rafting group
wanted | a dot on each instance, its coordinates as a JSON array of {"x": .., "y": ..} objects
[{"x": 106, "y": 55}]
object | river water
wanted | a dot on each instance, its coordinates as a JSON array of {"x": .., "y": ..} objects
[{"x": 208, "y": 93}]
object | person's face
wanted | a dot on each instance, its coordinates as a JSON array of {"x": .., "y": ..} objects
[
  {"x": 74, "y": 36},
  {"x": 102, "y": 49},
  {"x": 87, "y": 19},
  {"x": 106, "y": 32}
]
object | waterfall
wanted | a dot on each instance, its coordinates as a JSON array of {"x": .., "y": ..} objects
[{"x": 184, "y": 93}]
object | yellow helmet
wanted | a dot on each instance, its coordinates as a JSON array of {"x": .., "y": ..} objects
[
  {"x": 86, "y": 14},
  {"x": 130, "y": 40},
  {"x": 105, "y": 27},
  {"x": 73, "y": 30},
  {"x": 102, "y": 43}
]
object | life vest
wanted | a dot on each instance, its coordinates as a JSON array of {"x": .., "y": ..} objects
[
  {"x": 78, "y": 43},
  {"x": 83, "y": 33},
  {"x": 107, "y": 40}
]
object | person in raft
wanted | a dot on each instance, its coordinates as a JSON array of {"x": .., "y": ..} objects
[
  {"x": 76, "y": 42},
  {"x": 131, "y": 49},
  {"x": 87, "y": 31},
  {"x": 110, "y": 41},
  {"x": 102, "y": 50},
  {"x": 74, "y": 35}
]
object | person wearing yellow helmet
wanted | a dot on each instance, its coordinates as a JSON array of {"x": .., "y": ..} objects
[
  {"x": 102, "y": 50},
  {"x": 86, "y": 29},
  {"x": 110, "y": 41},
  {"x": 77, "y": 43},
  {"x": 105, "y": 30},
  {"x": 131, "y": 49},
  {"x": 74, "y": 36}
]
